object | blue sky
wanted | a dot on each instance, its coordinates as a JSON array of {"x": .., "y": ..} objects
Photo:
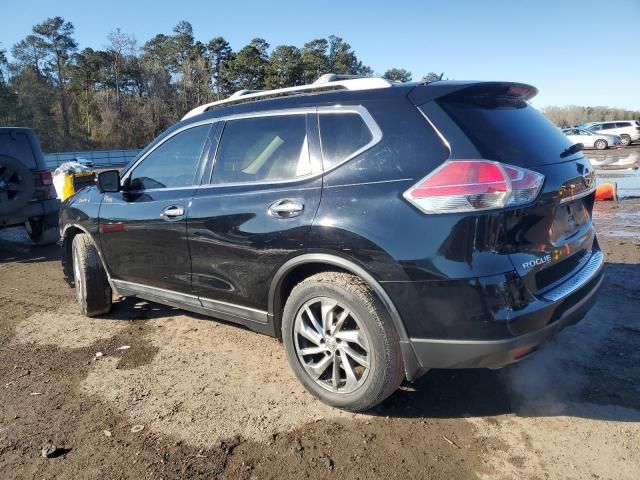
[{"x": 575, "y": 52}]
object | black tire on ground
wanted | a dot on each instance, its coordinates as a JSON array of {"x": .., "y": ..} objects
[
  {"x": 93, "y": 291},
  {"x": 625, "y": 140},
  {"x": 16, "y": 185},
  {"x": 386, "y": 370},
  {"x": 601, "y": 144},
  {"x": 43, "y": 230}
]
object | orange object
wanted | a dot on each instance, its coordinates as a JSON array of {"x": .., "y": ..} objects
[{"x": 606, "y": 191}]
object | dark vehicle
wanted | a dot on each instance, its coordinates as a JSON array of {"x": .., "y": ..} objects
[
  {"x": 380, "y": 229},
  {"x": 27, "y": 196}
]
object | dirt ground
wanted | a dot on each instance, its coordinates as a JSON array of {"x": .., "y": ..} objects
[{"x": 216, "y": 401}]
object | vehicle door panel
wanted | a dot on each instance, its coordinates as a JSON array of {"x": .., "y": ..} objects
[
  {"x": 142, "y": 241},
  {"x": 236, "y": 244}
]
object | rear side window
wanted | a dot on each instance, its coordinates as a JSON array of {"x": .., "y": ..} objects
[
  {"x": 623, "y": 124},
  {"x": 608, "y": 126},
  {"x": 173, "y": 164},
  {"x": 342, "y": 135},
  {"x": 507, "y": 130},
  {"x": 263, "y": 149}
]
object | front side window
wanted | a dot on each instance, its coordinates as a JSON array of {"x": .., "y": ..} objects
[
  {"x": 342, "y": 134},
  {"x": 263, "y": 149},
  {"x": 174, "y": 163}
]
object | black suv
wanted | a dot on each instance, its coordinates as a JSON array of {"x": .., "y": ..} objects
[
  {"x": 379, "y": 229},
  {"x": 27, "y": 196}
]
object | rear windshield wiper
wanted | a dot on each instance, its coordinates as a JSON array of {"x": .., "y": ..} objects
[{"x": 575, "y": 148}]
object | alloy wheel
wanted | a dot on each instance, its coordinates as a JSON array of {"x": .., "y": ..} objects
[{"x": 332, "y": 345}]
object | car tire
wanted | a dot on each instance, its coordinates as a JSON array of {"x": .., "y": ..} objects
[
  {"x": 353, "y": 324},
  {"x": 93, "y": 291},
  {"x": 16, "y": 185},
  {"x": 601, "y": 144},
  {"x": 43, "y": 230},
  {"x": 625, "y": 140}
]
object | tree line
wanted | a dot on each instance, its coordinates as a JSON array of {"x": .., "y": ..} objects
[
  {"x": 124, "y": 95},
  {"x": 572, "y": 115}
]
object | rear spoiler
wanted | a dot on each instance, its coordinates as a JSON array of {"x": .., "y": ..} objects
[{"x": 470, "y": 90}]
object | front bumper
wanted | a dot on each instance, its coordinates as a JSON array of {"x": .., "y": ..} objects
[{"x": 563, "y": 306}]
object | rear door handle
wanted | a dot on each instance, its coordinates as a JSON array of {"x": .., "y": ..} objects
[
  {"x": 172, "y": 212},
  {"x": 286, "y": 208}
]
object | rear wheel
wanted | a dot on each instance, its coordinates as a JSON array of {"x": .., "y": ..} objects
[
  {"x": 625, "y": 140},
  {"x": 340, "y": 342},
  {"x": 43, "y": 230},
  {"x": 601, "y": 144},
  {"x": 92, "y": 286}
]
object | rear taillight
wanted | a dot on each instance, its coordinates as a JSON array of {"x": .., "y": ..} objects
[
  {"x": 46, "y": 178},
  {"x": 45, "y": 187},
  {"x": 473, "y": 185}
]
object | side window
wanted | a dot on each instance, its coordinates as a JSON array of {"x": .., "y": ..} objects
[
  {"x": 342, "y": 134},
  {"x": 173, "y": 164},
  {"x": 623, "y": 124},
  {"x": 595, "y": 128},
  {"x": 608, "y": 126},
  {"x": 263, "y": 149}
]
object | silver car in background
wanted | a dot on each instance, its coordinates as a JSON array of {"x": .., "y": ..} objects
[
  {"x": 628, "y": 130},
  {"x": 591, "y": 139}
]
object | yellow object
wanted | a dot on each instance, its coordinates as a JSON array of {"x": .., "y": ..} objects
[{"x": 70, "y": 183}]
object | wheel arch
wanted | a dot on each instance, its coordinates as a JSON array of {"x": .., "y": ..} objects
[
  {"x": 68, "y": 234},
  {"x": 297, "y": 268}
]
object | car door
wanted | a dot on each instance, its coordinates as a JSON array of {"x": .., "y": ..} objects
[
  {"x": 256, "y": 211},
  {"x": 572, "y": 135},
  {"x": 586, "y": 138},
  {"x": 143, "y": 227}
]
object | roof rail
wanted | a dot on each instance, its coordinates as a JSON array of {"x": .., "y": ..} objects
[
  {"x": 334, "y": 77},
  {"x": 327, "y": 82}
]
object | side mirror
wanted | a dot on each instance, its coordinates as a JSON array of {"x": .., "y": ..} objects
[{"x": 109, "y": 181}]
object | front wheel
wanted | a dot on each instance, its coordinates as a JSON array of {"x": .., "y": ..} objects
[
  {"x": 340, "y": 342},
  {"x": 93, "y": 291},
  {"x": 601, "y": 144},
  {"x": 625, "y": 140}
]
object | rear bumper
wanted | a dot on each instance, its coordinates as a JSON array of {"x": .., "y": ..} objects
[
  {"x": 565, "y": 305},
  {"x": 40, "y": 208}
]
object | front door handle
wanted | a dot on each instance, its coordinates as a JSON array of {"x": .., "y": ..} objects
[
  {"x": 286, "y": 208},
  {"x": 172, "y": 212}
]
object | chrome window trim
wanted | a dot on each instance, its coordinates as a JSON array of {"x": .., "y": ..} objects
[
  {"x": 376, "y": 137},
  {"x": 376, "y": 134},
  {"x": 374, "y": 129}
]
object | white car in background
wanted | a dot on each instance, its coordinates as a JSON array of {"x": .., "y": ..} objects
[
  {"x": 627, "y": 130},
  {"x": 591, "y": 139}
]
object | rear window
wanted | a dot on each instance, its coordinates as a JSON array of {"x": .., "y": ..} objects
[
  {"x": 508, "y": 130},
  {"x": 342, "y": 134},
  {"x": 18, "y": 145}
]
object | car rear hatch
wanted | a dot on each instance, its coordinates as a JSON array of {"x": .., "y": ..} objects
[{"x": 551, "y": 239}]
